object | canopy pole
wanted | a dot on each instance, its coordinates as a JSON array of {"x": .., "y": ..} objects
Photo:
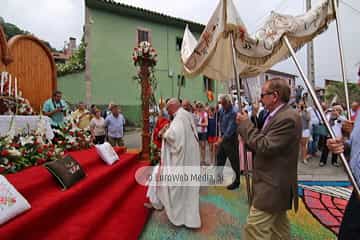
[
  {"x": 321, "y": 111},
  {"x": 237, "y": 83},
  {"x": 341, "y": 51},
  {"x": 179, "y": 83}
]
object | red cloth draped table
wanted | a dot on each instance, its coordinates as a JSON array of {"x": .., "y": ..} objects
[{"x": 106, "y": 204}]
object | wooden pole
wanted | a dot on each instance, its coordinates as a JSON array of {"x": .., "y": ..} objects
[
  {"x": 87, "y": 57},
  {"x": 145, "y": 97}
]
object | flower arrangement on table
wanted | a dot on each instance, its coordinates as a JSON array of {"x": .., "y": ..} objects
[
  {"x": 31, "y": 148},
  {"x": 70, "y": 137},
  {"x": 25, "y": 151}
]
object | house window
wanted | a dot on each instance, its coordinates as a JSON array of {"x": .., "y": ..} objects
[
  {"x": 143, "y": 35},
  {"x": 178, "y": 43},
  {"x": 266, "y": 77},
  {"x": 208, "y": 84}
]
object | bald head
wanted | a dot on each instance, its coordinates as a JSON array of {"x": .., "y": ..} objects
[
  {"x": 172, "y": 106},
  {"x": 186, "y": 104}
]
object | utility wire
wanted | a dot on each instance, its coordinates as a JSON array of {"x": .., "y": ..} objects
[{"x": 350, "y": 6}]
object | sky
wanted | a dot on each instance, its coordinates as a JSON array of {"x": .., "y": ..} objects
[{"x": 56, "y": 21}]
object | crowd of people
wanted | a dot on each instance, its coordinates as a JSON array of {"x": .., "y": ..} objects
[
  {"x": 211, "y": 127},
  {"x": 276, "y": 133},
  {"x": 314, "y": 133},
  {"x": 103, "y": 125}
]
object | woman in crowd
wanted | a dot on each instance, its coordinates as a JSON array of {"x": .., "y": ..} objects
[
  {"x": 212, "y": 133},
  {"x": 305, "y": 120},
  {"x": 97, "y": 128},
  {"x": 201, "y": 125}
]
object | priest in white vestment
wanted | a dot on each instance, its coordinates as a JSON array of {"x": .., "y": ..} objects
[{"x": 180, "y": 149}]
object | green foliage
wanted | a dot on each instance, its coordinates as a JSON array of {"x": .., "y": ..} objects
[
  {"x": 338, "y": 89},
  {"x": 76, "y": 62},
  {"x": 11, "y": 29}
]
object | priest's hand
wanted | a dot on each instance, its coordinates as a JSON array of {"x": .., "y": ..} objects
[
  {"x": 163, "y": 130},
  {"x": 335, "y": 145},
  {"x": 241, "y": 117}
]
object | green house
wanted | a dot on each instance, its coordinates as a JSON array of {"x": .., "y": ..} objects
[{"x": 112, "y": 30}]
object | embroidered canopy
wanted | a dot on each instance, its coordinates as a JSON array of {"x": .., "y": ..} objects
[{"x": 212, "y": 55}]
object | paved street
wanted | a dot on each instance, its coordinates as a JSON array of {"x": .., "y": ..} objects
[
  {"x": 309, "y": 172},
  {"x": 132, "y": 138},
  {"x": 313, "y": 172}
]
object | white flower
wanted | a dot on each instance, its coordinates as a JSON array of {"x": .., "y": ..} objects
[
  {"x": 26, "y": 140},
  {"x": 70, "y": 139},
  {"x": 41, "y": 130},
  {"x": 58, "y": 150},
  {"x": 57, "y": 131},
  {"x": 14, "y": 152},
  {"x": 88, "y": 138},
  {"x": 40, "y": 140},
  {"x": 9, "y": 139},
  {"x": 5, "y": 161}
]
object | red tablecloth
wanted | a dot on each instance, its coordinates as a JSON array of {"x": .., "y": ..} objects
[{"x": 107, "y": 204}]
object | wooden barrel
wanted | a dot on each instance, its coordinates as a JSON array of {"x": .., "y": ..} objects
[{"x": 33, "y": 66}]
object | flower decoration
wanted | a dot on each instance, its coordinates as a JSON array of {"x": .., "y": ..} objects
[
  {"x": 144, "y": 54},
  {"x": 33, "y": 148}
]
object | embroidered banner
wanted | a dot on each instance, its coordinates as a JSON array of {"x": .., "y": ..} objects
[{"x": 212, "y": 56}]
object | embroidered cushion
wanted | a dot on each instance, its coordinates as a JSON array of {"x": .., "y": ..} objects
[
  {"x": 67, "y": 171},
  {"x": 107, "y": 153},
  {"x": 12, "y": 203}
]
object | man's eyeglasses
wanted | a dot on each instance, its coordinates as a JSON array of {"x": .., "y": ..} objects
[{"x": 264, "y": 94}]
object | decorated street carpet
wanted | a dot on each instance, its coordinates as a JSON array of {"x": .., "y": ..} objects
[{"x": 223, "y": 213}]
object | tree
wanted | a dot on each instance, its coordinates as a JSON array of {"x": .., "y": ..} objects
[
  {"x": 76, "y": 62},
  {"x": 338, "y": 89},
  {"x": 11, "y": 29}
]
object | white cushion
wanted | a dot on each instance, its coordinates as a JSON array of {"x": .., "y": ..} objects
[
  {"x": 107, "y": 153},
  {"x": 12, "y": 203}
]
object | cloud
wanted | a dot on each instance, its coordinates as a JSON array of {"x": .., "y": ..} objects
[{"x": 53, "y": 21}]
